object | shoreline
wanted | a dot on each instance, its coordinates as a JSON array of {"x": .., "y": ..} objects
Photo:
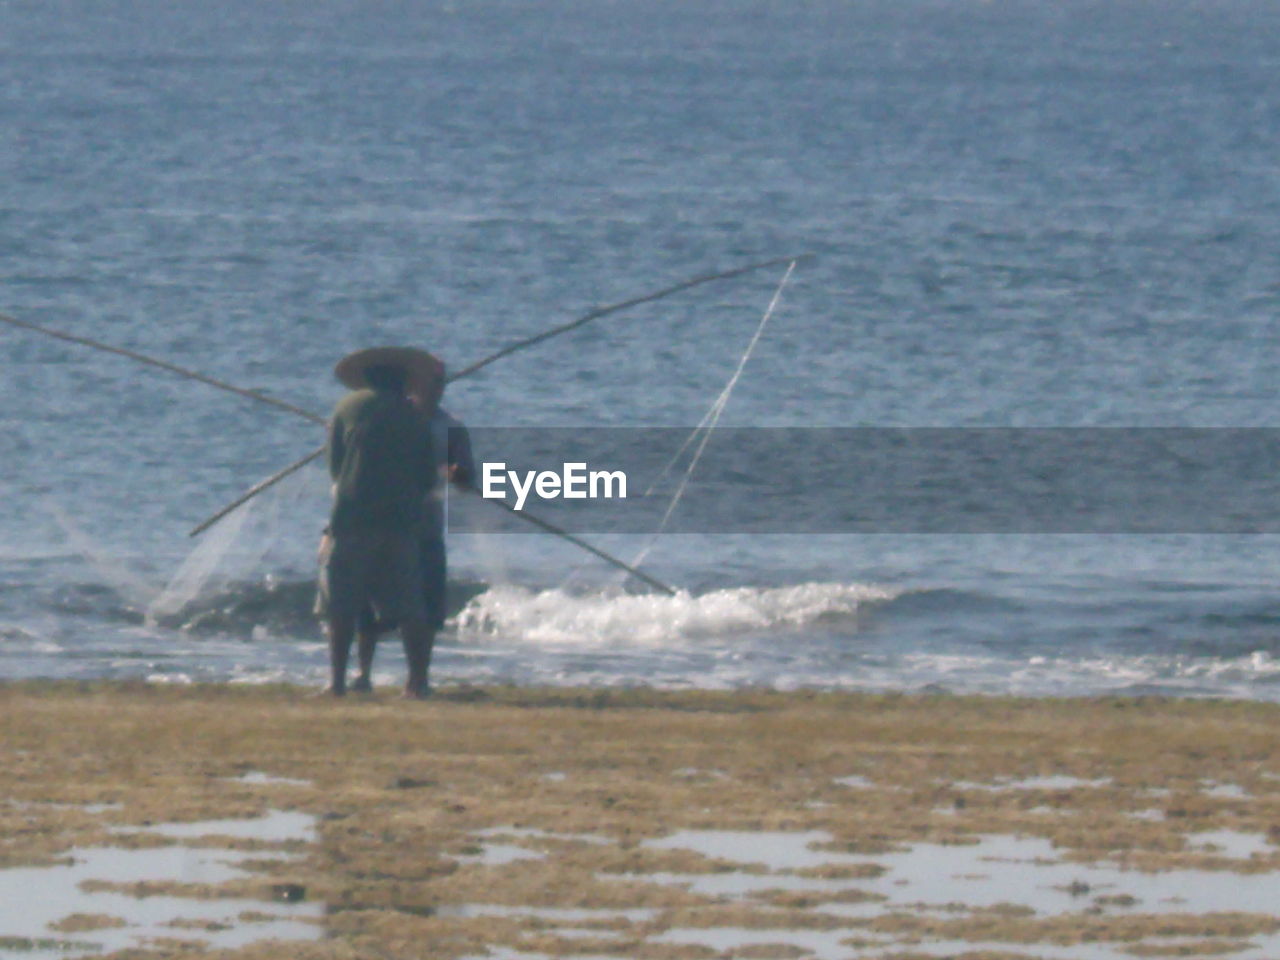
[{"x": 593, "y": 799}]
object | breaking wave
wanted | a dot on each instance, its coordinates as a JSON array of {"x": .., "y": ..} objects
[
  {"x": 283, "y": 607},
  {"x": 516, "y": 614}
]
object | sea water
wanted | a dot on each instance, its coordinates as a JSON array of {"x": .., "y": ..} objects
[{"x": 1024, "y": 214}]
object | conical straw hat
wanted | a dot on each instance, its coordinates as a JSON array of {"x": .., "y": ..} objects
[{"x": 422, "y": 368}]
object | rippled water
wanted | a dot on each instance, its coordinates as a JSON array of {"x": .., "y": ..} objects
[{"x": 1024, "y": 214}]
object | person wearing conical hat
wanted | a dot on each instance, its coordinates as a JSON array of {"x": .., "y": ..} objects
[
  {"x": 451, "y": 446},
  {"x": 382, "y": 466}
]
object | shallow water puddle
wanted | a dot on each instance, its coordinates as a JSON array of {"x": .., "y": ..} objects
[
  {"x": 774, "y": 850},
  {"x": 500, "y": 854},
  {"x": 1231, "y": 843},
  {"x": 857, "y": 781},
  {"x": 569, "y": 915},
  {"x": 852, "y": 944},
  {"x": 33, "y": 900},
  {"x": 1154, "y": 814},
  {"x": 1231, "y": 791},
  {"x": 952, "y": 879},
  {"x": 1028, "y": 871},
  {"x": 818, "y": 944},
  {"x": 927, "y": 881},
  {"x": 278, "y": 826},
  {"x": 999, "y": 869},
  {"x": 1258, "y": 949},
  {"x": 1050, "y": 782},
  {"x": 492, "y": 852},
  {"x": 507, "y": 953}
]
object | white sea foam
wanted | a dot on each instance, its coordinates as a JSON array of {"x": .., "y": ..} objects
[{"x": 515, "y": 614}]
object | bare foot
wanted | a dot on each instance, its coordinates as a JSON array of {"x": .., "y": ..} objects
[
  {"x": 331, "y": 691},
  {"x": 361, "y": 685}
]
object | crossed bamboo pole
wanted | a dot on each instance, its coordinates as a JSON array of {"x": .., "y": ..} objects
[{"x": 563, "y": 328}]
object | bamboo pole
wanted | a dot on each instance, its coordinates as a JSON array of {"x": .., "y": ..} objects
[
  {"x": 163, "y": 365},
  {"x": 577, "y": 542},
  {"x": 294, "y": 467},
  {"x": 298, "y": 465},
  {"x": 599, "y": 312}
]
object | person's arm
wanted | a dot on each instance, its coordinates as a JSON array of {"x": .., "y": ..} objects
[{"x": 462, "y": 466}]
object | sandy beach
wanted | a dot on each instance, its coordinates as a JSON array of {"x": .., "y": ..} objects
[{"x": 524, "y": 823}]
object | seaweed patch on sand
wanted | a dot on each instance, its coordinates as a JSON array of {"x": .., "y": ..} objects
[{"x": 547, "y": 823}]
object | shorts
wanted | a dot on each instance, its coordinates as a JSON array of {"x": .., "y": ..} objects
[{"x": 378, "y": 568}]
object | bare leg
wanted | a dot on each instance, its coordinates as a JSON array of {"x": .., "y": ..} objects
[
  {"x": 341, "y": 633},
  {"x": 366, "y": 644},
  {"x": 419, "y": 638},
  {"x": 368, "y": 629}
]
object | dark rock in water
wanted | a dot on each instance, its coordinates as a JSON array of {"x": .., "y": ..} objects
[
  {"x": 288, "y": 892},
  {"x": 98, "y": 600},
  {"x": 415, "y": 910},
  {"x": 411, "y": 783}
]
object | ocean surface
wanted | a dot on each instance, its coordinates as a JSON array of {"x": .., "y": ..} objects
[{"x": 1025, "y": 214}]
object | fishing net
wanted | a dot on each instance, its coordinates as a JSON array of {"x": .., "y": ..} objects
[{"x": 256, "y": 567}]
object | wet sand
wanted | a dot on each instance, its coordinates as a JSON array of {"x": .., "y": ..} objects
[{"x": 547, "y": 823}]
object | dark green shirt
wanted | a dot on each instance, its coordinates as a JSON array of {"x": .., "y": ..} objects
[{"x": 380, "y": 461}]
